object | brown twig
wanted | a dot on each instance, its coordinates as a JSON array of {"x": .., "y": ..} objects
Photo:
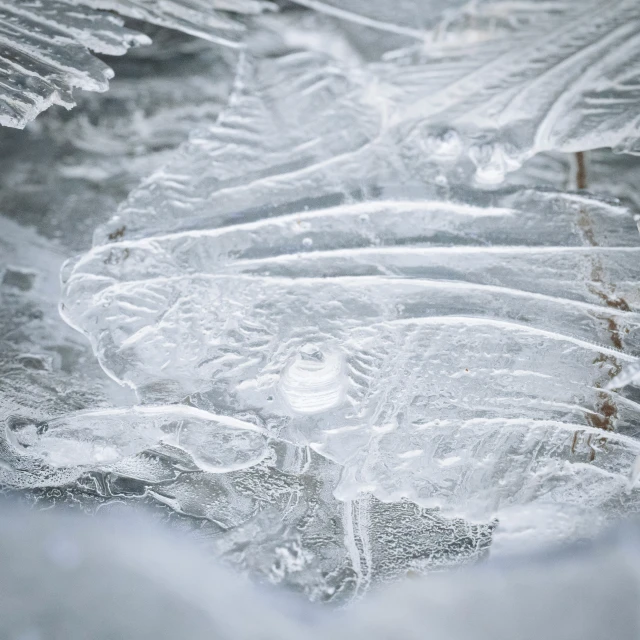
[{"x": 581, "y": 172}]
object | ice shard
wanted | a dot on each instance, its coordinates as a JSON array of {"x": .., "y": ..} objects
[
  {"x": 46, "y": 46},
  {"x": 45, "y": 55},
  {"x": 202, "y": 18}
]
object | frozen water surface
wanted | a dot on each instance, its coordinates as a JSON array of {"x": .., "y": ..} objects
[
  {"x": 324, "y": 351},
  {"x": 435, "y": 353},
  {"x": 47, "y": 45},
  {"x": 68, "y": 171},
  {"x": 45, "y": 54},
  {"x": 69, "y": 438}
]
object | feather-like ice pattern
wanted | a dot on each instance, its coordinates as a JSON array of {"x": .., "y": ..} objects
[
  {"x": 44, "y": 55},
  {"x": 201, "y": 18},
  {"x": 68, "y": 173},
  {"x": 45, "y": 45},
  {"x": 568, "y": 82},
  {"x": 48, "y": 186},
  {"x": 429, "y": 20},
  {"x": 453, "y": 352},
  {"x": 499, "y": 82},
  {"x": 297, "y": 127}
]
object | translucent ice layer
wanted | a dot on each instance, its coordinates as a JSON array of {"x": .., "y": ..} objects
[
  {"x": 298, "y": 126},
  {"x": 45, "y": 55},
  {"x": 451, "y": 352},
  {"x": 97, "y": 439},
  {"x": 201, "y": 18},
  {"x": 498, "y": 82},
  {"x": 46, "y": 46},
  {"x": 276, "y": 520},
  {"x": 68, "y": 171},
  {"x": 567, "y": 82},
  {"x": 304, "y": 125},
  {"x": 436, "y": 19}
]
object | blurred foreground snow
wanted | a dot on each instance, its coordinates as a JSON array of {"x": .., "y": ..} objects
[{"x": 70, "y": 578}]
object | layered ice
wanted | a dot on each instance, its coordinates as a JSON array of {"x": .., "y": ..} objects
[
  {"x": 45, "y": 55},
  {"x": 67, "y": 436},
  {"x": 566, "y": 82},
  {"x": 451, "y": 352},
  {"x": 495, "y": 83},
  {"x": 349, "y": 367},
  {"x": 441, "y": 345},
  {"x": 46, "y": 46},
  {"x": 100, "y": 439}
]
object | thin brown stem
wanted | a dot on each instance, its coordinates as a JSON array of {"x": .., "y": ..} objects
[{"x": 581, "y": 172}]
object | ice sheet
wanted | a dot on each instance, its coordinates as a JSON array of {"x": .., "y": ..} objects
[
  {"x": 372, "y": 331},
  {"x": 46, "y": 46}
]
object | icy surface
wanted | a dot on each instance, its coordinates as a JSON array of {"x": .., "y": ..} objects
[
  {"x": 370, "y": 331},
  {"x": 216, "y": 443},
  {"x": 277, "y": 520},
  {"x": 46, "y": 47},
  {"x": 568, "y": 82},
  {"x": 347, "y": 124},
  {"x": 260, "y": 276},
  {"x": 429, "y": 20},
  {"x": 68, "y": 171},
  {"x": 339, "y": 366},
  {"x": 498, "y": 82},
  {"x": 45, "y": 55},
  {"x": 201, "y": 18}
]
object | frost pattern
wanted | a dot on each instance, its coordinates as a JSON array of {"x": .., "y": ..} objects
[
  {"x": 45, "y": 55},
  {"x": 46, "y": 47},
  {"x": 567, "y": 84},
  {"x": 51, "y": 204},
  {"x": 69, "y": 171},
  {"x": 370, "y": 331},
  {"x": 261, "y": 276},
  {"x": 497, "y": 82},
  {"x": 201, "y": 18},
  {"x": 438, "y": 19},
  {"x": 330, "y": 355}
]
